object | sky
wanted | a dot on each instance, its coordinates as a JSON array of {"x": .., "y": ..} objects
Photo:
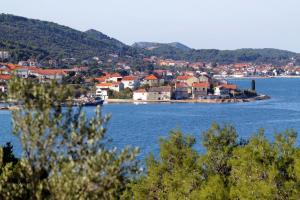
[{"x": 200, "y": 24}]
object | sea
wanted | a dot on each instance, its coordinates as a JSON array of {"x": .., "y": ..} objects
[{"x": 142, "y": 125}]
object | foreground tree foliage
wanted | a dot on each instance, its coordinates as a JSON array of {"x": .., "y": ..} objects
[
  {"x": 229, "y": 168},
  {"x": 65, "y": 155}
]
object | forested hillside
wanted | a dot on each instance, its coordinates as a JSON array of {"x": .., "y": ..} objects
[
  {"x": 25, "y": 38},
  {"x": 54, "y": 41},
  {"x": 267, "y": 55}
]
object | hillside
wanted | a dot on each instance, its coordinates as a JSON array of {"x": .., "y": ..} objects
[
  {"x": 97, "y": 35},
  {"x": 26, "y": 38},
  {"x": 56, "y": 41},
  {"x": 261, "y": 56},
  {"x": 267, "y": 55}
]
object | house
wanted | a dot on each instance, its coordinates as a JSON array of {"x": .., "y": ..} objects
[
  {"x": 102, "y": 89},
  {"x": 4, "y": 78},
  {"x": 160, "y": 93},
  {"x": 101, "y": 79},
  {"x": 140, "y": 95},
  {"x": 189, "y": 80},
  {"x": 115, "y": 86},
  {"x": 200, "y": 89},
  {"x": 131, "y": 82},
  {"x": 116, "y": 77},
  {"x": 7, "y": 68},
  {"x": 22, "y": 72},
  {"x": 151, "y": 80},
  {"x": 161, "y": 73},
  {"x": 182, "y": 91},
  {"x": 25, "y": 72},
  {"x": 221, "y": 91},
  {"x": 204, "y": 78},
  {"x": 225, "y": 89},
  {"x": 49, "y": 74}
]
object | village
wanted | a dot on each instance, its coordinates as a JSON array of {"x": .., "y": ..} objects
[{"x": 159, "y": 85}]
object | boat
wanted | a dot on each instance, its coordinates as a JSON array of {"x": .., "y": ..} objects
[{"x": 97, "y": 101}]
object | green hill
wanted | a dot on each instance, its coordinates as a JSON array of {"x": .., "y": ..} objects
[
  {"x": 97, "y": 35},
  {"x": 25, "y": 38},
  {"x": 178, "y": 51},
  {"x": 54, "y": 40}
]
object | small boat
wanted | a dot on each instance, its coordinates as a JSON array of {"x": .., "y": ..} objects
[{"x": 95, "y": 102}]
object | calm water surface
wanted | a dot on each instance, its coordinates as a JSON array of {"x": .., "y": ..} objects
[{"x": 143, "y": 125}]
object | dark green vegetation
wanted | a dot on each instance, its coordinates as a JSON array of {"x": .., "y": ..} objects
[
  {"x": 47, "y": 40},
  {"x": 67, "y": 156},
  {"x": 229, "y": 169},
  {"x": 127, "y": 93},
  {"x": 258, "y": 56},
  {"x": 25, "y": 38}
]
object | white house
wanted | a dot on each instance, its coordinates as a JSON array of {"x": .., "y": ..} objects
[
  {"x": 116, "y": 86},
  {"x": 116, "y": 77},
  {"x": 103, "y": 88},
  {"x": 225, "y": 89},
  {"x": 49, "y": 74},
  {"x": 140, "y": 95},
  {"x": 131, "y": 82}
]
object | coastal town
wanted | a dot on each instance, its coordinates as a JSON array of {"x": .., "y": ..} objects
[{"x": 166, "y": 81}]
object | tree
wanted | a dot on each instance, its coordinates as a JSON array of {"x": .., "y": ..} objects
[
  {"x": 8, "y": 155},
  {"x": 253, "y": 170},
  {"x": 65, "y": 155},
  {"x": 175, "y": 175},
  {"x": 219, "y": 143}
]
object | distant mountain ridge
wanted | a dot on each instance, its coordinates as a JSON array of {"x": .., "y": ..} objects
[
  {"x": 25, "y": 38},
  {"x": 155, "y": 45}
]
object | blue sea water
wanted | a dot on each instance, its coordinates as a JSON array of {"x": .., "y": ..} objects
[{"x": 142, "y": 125}]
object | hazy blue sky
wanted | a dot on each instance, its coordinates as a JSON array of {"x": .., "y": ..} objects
[{"x": 222, "y": 24}]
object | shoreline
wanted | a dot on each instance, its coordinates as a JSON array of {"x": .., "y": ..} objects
[
  {"x": 206, "y": 101},
  {"x": 258, "y": 77},
  {"x": 197, "y": 101}
]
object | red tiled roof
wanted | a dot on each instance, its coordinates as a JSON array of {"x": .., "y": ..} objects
[
  {"x": 142, "y": 90},
  {"x": 181, "y": 78},
  {"x": 4, "y": 77},
  {"x": 229, "y": 86},
  {"x": 11, "y": 66},
  {"x": 101, "y": 79},
  {"x": 27, "y": 68},
  {"x": 108, "y": 84},
  {"x": 104, "y": 84},
  {"x": 51, "y": 72},
  {"x": 151, "y": 77},
  {"x": 201, "y": 85},
  {"x": 160, "y": 71},
  {"x": 115, "y": 75},
  {"x": 129, "y": 78},
  {"x": 181, "y": 85}
]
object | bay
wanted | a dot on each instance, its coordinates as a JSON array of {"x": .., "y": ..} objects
[{"x": 142, "y": 125}]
